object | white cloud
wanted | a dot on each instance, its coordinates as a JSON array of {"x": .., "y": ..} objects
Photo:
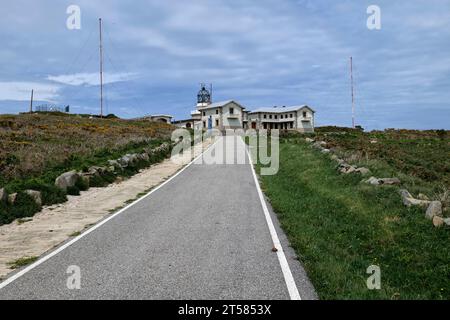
[
  {"x": 91, "y": 79},
  {"x": 21, "y": 91}
]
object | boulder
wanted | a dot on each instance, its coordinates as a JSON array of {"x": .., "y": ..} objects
[
  {"x": 111, "y": 169},
  {"x": 447, "y": 221},
  {"x": 373, "y": 181},
  {"x": 309, "y": 140},
  {"x": 362, "y": 171},
  {"x": 36, "y": 195},
  {"x": 3, "y": 196},
  {"x": 67, "y": 179},
  {"x": 373, "y": 141},
  {"x": 434, "y": 209},
  {"x": 438, "y": 221},
  {"x": 128, "y": 160},
  {"x": 422, "y": 196},
  {"x": 114, "y": 163},
  {"x": 144, "y": 157},
  {"x": 12, "y": 198},
  {"x": 390, "y": 181},
  {"x": 409, "y": 200},
  {"x": 325, "y": 151}
]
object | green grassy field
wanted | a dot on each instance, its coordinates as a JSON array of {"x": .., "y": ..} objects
[{"x": 339, "y": 227}]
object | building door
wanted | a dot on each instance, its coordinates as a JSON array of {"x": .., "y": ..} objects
[
  {"x": 253, "y": 125},
  {"x": 210, "y": 123}
]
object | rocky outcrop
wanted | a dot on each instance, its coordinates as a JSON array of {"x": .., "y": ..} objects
[
  {"x": 390, "y": 181},
  {"x": 409, "y": 200},
  {"x": 434, "y": 209},
  {"x": 36, "y": 195},
  {"x": 67, "y": 179},
  {"x": 438, "y": 221},
  {"x": 3, "y": 196},
  {"x": 363, "y": 171},
  {"x": 12, "y": 198}
]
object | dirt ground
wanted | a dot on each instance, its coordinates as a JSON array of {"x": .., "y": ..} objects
[{"x": 57, "y": 223}]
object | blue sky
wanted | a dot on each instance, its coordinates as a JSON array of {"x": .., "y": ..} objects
[{"x": 260, "y": 53}]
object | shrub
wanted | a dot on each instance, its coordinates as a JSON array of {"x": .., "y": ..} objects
[
  {"x": 73, "y": 191},
  {"x": 24, "y": 206},
  {"x": 82, "y": 184}
]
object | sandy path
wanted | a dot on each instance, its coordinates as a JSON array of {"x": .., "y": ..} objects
[{"x": 57, "y": 223}]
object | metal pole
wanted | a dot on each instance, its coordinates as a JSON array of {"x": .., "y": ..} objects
[
  {"x": 101, "y": 68},
  {"x": 353, "y": 96},
  {"x": 31, "y": 101}
]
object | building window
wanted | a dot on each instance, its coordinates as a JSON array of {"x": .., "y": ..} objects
[
  {"x": 217, "y": 122},
  {"x": 217, "y": 111},
  {"x": 276, "y": 117},
  {"x": 231, "y": 110},
  {"x": 204, "y": 124},
  {"x": 281, "y": 116},
  {"x": 270, "y": 116},
  {"x": 305, "y": 114},
  {"x": 204, "y": 113},
  {"x": 290, "y": 116},
  {"x": 265, "y": 116}
]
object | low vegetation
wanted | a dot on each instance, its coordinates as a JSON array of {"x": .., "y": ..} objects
[
  {"x": 37, "y": 148},
  {"x": 340, "y": 226},
  {"x": 22, "y": 262}
]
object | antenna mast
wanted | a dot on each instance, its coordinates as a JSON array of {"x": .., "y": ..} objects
[
  {"x": 101, "y": 68},
  {"x": 353, "y": 95}
]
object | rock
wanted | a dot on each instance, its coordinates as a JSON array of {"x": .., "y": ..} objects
[
  {"x": 144, "y": 157},
  {"x": 409, "y": 200},
  {"x": 390, "y": 181},
  {"x": 128, "y": 160},
  {"x": 325, "y": 151},
  {"x": 422, "y": 196},
  {"x": 438, "y": 221},
  {"x": 362, "y": 171},
  {"x": 3, "y": 196},
  {"x": 309, "y": 140},
  {"x": 12, "y": 198},
  {"x": 85, "y": 178},
  {"x": 323, "y": 143},
  {"x": 434, "y": 209},
  {"x": 373, "y": 181},
  {"x": 373, "y": 141},
  {"x": 114, "y": 163},
  {"x": 334, "y": 157},
  {"x": 111, "y": 169},
  {"x": 447, "y": 221},
  {"x": 67, "y": 179},
  {"x": 36, "y": 195}
]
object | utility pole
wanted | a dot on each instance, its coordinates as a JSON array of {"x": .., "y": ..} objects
[
  {"x": 31, "y": 101},
  {"x": 353, "y": 95},
  {"x": 101, "y": 68}
]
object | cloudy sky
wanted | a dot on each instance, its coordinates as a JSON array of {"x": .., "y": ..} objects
[{"x": 260, "y": 53}]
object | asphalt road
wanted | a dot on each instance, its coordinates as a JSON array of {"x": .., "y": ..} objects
[{"x": 202, "y": 235}]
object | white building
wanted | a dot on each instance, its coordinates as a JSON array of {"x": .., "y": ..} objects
[
  {"x": 232, "y": 115},
  {"x": 300, "y": 118}
]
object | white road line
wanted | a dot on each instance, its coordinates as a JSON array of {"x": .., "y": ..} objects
[
  {"x": 68, "y": 244},
  {"x": 288, "y": 278}
]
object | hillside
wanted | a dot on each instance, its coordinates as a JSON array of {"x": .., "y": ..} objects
[
  {"x": 37, "y": 148},
  {"x": 339, "y": 225}
]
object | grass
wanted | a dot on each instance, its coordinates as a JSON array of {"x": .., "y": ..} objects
[
  {"x": 339, "y": 227},
  {"x": 22, "y": 262},
  {"x": 75, "y": 234}
]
